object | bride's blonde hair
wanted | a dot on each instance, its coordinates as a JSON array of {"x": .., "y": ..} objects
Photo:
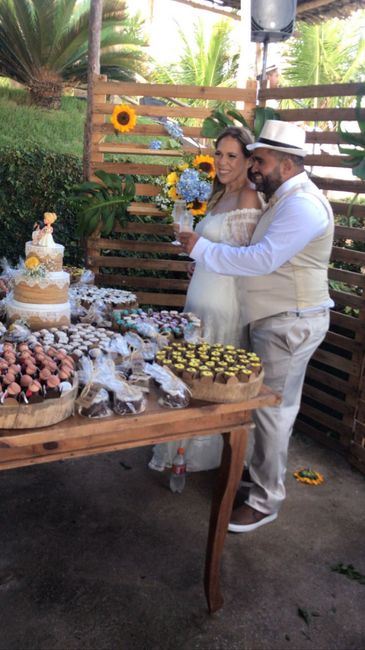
[{"x": 243, "y": 136}]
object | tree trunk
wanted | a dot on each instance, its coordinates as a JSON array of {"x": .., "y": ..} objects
[
  {"x": 95, "y": 22},
  {"x": 46, "y": 89}
]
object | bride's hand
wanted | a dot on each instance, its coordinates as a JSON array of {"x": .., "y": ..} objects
[{"x": 188, "y": 240}]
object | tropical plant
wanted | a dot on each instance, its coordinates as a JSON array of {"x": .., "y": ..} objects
[
  {"x": 100, "y": 204},
  {"x": 356, "y": 154},
  {"x": 330, "y": 52},
  {"x": 220, "y": 119},
  {"x": 44, "y": 44},
  {"x": 207, "y": 60}
]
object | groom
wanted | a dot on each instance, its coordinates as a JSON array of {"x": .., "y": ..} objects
[{"x": 285, "y": 296}]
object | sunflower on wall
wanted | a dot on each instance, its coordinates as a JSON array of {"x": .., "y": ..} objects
[
  {"x": 123, "y": 118},
  {"x": 190, "y": 181}
]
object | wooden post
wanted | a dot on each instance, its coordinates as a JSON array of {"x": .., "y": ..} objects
[{"x": 95, "y": 22}]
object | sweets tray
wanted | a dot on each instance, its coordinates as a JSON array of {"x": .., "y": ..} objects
[
  {"x": 222, "y": 393},
  {"x": 16, "y": 415}
]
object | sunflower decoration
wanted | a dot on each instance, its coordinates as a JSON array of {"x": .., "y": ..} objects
[
  {"x": 198, "y": 208},
  {"x": 32, "y": 262},
  {"x": 190, "y": 181},
  {"x": 34, "y": 268},
  {"x": 309, "y": 476},
  {"x": 124, "y": 118},
  {"x": 205, "y": 164}
]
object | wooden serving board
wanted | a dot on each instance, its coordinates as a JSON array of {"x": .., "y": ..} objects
[{"x": 18, "y": 415}]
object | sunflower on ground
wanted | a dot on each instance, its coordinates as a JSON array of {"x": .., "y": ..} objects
[
  {"x": 123, "y": 118},
  {"x": 205, "y": 164},
  {"x": 308, "y": 476}
]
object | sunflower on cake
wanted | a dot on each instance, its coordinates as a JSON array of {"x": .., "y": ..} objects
[{"x": 40, "y": 296}]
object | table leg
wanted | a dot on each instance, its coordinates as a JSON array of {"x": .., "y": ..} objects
[{"x": 235, "y": 443}]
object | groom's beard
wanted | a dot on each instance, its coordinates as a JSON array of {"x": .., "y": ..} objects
[{"x": 266, "y": 184}]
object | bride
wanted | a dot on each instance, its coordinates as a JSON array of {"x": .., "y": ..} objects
[{"x": 233, "y": 211}]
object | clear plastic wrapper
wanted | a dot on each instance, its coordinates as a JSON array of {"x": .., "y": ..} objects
[
  {"x": 8, "y": 272},
  {"x": 2, "y": 329},
  {"x": 174, "y": 393},
  {"x": 128, "y": 399},
  {"x": 134, "y": 341},
  {"x": 77, "y": 310},
  {"x": 87, "y": 277},
  {"x": 17, "y": 332},
  {"x": 94, "y": 402},
  {"x": 3, "y": 304},
  {"x": 95, "y": 314},
  {"x": 118, "y": 346},
  {"x": 94, "y": 376},
  {"x": 106, "y": 391}
]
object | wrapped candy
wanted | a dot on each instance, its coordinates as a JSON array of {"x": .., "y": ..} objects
[
  {"x": 127, "y": 398},
  {"x": 174, "y": 392}
]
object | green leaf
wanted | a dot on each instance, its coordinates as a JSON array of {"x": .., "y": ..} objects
[
  {"x": 211, "y": 128},
  {"x": 87, "y": 227},
  {"x": 111, "y": 181},
  {"x": 238, "y": 116},
  {"x": 129, "y": 187},
  {"x": 358, "y": 108},
  {"x": 359, "y": 170},
  {"x": 108, "y": 225},
  {"x": 88, "y": 186},
  {"x": 261, "y": 115}
]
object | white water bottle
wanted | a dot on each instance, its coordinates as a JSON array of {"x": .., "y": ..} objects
[{"x": 178, "y": 472}]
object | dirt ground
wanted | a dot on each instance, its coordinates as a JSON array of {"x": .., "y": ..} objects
[{"x": 98, "y": 554}]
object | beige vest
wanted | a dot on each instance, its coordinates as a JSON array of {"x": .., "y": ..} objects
[{"x": 301, "y": 282}]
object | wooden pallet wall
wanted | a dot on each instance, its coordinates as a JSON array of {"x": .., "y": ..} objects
[
  {"x": 139, "y": 256},
  {"x": 333, "y": 404}
]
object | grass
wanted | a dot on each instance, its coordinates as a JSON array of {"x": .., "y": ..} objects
[
  {"x": 62, "y": 131},
  {"x": 22, "y": 125}
]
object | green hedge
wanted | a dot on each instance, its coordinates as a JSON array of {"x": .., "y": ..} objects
[{"x": 33, "y": 182}]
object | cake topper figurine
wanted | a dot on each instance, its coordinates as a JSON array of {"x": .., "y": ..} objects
[{"x": 42, "y": 231}]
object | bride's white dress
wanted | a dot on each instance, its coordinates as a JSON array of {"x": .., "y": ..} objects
[{"x": 215, "y": 299}]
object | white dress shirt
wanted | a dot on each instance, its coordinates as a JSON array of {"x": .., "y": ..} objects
[{"x": 301, "y": 219}]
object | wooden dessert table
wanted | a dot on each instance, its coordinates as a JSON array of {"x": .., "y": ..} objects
[{"x": 79, "y": 436}]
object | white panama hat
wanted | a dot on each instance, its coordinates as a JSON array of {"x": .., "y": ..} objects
[{"x": 281, "y": 136}]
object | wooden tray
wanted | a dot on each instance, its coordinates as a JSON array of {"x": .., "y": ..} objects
[
  {"x": 225, "y": 393},
  {"x": 42, "y": 414}
]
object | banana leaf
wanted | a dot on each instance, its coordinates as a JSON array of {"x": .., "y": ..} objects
[
  {"x": 261, "y": 115},
  {"x": 111, "y": 181},
  {"x": 238, "y": 116},
  {"x": 100, "y": 203},
  {"x": 356, "y": 158},
  {"x": 108, "y": 224}
]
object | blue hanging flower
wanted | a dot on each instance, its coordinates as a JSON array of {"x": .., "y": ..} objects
[
  {"x": 174, "y": 130},
  {"x": 155, "y": 144}
]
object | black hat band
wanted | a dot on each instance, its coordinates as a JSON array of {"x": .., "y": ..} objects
[{"x": 275, "y": 143}]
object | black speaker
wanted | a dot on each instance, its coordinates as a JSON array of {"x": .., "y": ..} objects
[{"x": 272, "y": 20}]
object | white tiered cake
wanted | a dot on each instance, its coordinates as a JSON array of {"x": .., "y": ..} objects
[{"x": 40, "y": 295}]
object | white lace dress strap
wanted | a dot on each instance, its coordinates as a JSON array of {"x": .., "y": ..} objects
[{"x": 238, "y": 226}]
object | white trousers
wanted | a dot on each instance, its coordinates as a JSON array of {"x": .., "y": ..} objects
[{"x": 285, "y": 344}]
